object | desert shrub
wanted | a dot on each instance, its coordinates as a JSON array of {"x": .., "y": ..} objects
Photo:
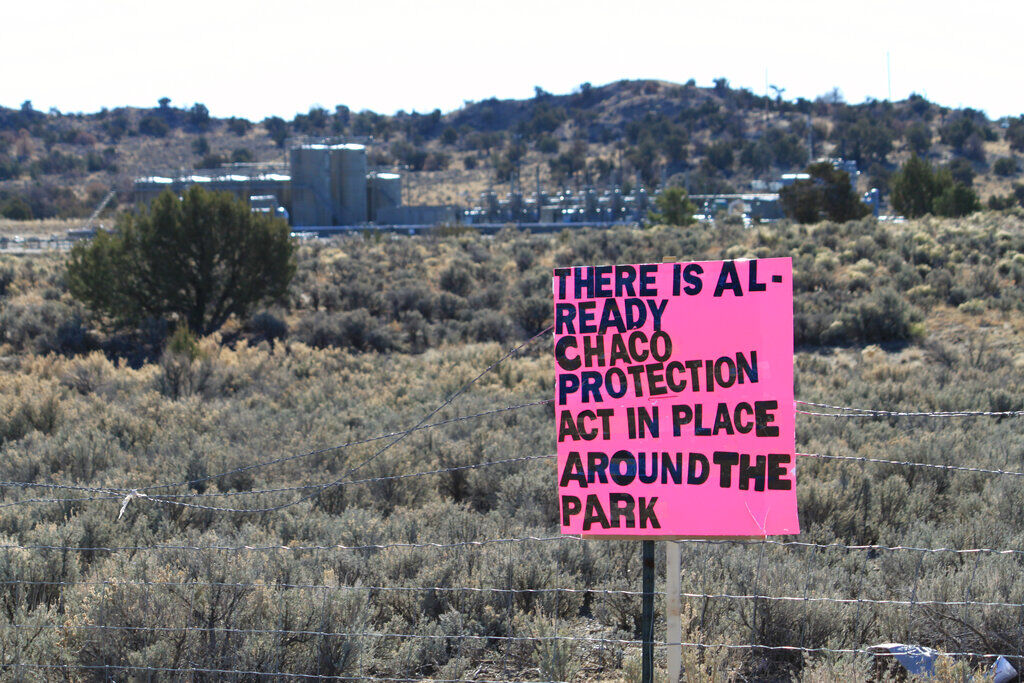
[
  {"x": 356, "y": 330},
  {"x": 266, "y": 327},
  {"x": 376, "y": 343},
  {"x": 457, "y": 279},
  {"x": 42, "y": 327}
]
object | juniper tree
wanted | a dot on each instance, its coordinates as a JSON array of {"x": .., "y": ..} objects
[{"x": 200, "y": 259}]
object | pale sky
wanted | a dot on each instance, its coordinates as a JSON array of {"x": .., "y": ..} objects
[{"x": 259, "y": 58}]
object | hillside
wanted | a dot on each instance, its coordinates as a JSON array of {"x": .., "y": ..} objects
[
  {"x": 714, "y": 139},
  {"x": 374, "y": 334}
]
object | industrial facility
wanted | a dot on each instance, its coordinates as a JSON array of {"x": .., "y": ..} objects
[
  {"x": 323, "y": 186},
  {"x": 328, "y": 187}
]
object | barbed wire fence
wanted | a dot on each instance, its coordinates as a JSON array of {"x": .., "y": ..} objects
[{"x": 709, "y": 563}]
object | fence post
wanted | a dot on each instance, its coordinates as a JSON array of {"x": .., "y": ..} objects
[
  {"x": 673, "y": 607},
  {"x": 647, "y": 616}
]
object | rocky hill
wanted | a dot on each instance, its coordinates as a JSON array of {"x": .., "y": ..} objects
[{"x": 715, "y": 139}]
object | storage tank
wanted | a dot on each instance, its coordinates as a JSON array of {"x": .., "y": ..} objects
[
  {"x": 383, "y": 192},
  {"x": 348, "y": 184},
  {"x": 311, "y": 186}
]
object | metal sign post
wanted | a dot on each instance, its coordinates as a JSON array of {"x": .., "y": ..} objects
[{"x": 647, "y": 616}]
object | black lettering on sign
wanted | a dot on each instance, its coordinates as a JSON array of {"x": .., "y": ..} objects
[
  {"x": 726, "y": 461},
  {"x": 647, "y": 516},
  {"x": 586, "y": 312},
  {"x": 597, "y": 463},
  {"x": 562, "y": 274},
  {"x": 562, "y": 347},
  {"x": 610, "y": 317},
  {"x": 645, "y": 476},
  {"x": 593, "y": 350},
  {"x": 573, "y": 471},
  {"x": 764, "y": 419},
  {"x": 691, "y": 274},
  {"x": 728, "y": 279},
  {"x": 594, "y": 513},
  {"x": 694, "y": 477},
  {"x": 624, "y": 278},
  {"x": 752, "y": 473},
  {"x": 622, "y": 510},
  {"x": 564, "y": 316},
  {"x": 571, "y": 505},
  {"x": 647, "y": 272},
  {"x": 776, "y": 472},
  {"x": 752, "y": 284},
  {"x": 603, "y": 281},
  {"x": 622, "y": 468}
]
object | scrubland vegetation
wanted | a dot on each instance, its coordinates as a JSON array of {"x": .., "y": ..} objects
[
  {"x": 706, "y": 139},
  {"x": 374, "y": 333}
]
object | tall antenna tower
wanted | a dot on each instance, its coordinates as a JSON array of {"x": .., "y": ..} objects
[{"x": 888, "y": 75}]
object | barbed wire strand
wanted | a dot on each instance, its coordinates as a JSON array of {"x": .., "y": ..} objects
[
  {"x": 168, "y": 498},
  {"x": 279, "y": 547},
  {"x": 521, "y": 539},
  {"x": 349, "y": 444},
  {"x": 383, "y": 449},
  {"x": 848, "y": 411},
  {"x": 118, "y": 492},
  {"x": 173, "y": 499},
  {"x": 270, "y": 674},
  {"x": 509, "y": 591},
  {"x": 324, "y": 587},
  {"x": 465, "y": 636},
  {"x": 390, "y": 679},
  {"x": 114, "y": 491},
  {"x": 911, "y": 463},
  {"x": 320, "y": 634},
  {"x": 28, "y": 501}
]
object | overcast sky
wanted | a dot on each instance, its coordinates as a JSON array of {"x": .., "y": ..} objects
[{"x": 258, "y": 58}]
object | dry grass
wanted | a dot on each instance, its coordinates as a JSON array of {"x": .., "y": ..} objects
[{"x": 38, "y": 228}]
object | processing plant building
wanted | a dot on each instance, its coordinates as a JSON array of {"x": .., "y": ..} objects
[
  {"x": 323, "y": 185},
  {"x": 328, "y": 187}
]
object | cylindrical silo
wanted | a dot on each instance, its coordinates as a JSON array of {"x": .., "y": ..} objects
[
  {"x": 384, "y": 192},
  {"x": 348, "y": 183},
  {"x": 311, "y": 186}
]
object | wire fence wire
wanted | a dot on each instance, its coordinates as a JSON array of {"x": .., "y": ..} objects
[
  {"x": 338, "y": 588},
  {"x": 162, "y": 494},
  {"x": 285, "y": 675}
]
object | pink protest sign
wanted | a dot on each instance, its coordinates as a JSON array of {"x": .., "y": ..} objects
[{"x": 674, "y": 399}]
